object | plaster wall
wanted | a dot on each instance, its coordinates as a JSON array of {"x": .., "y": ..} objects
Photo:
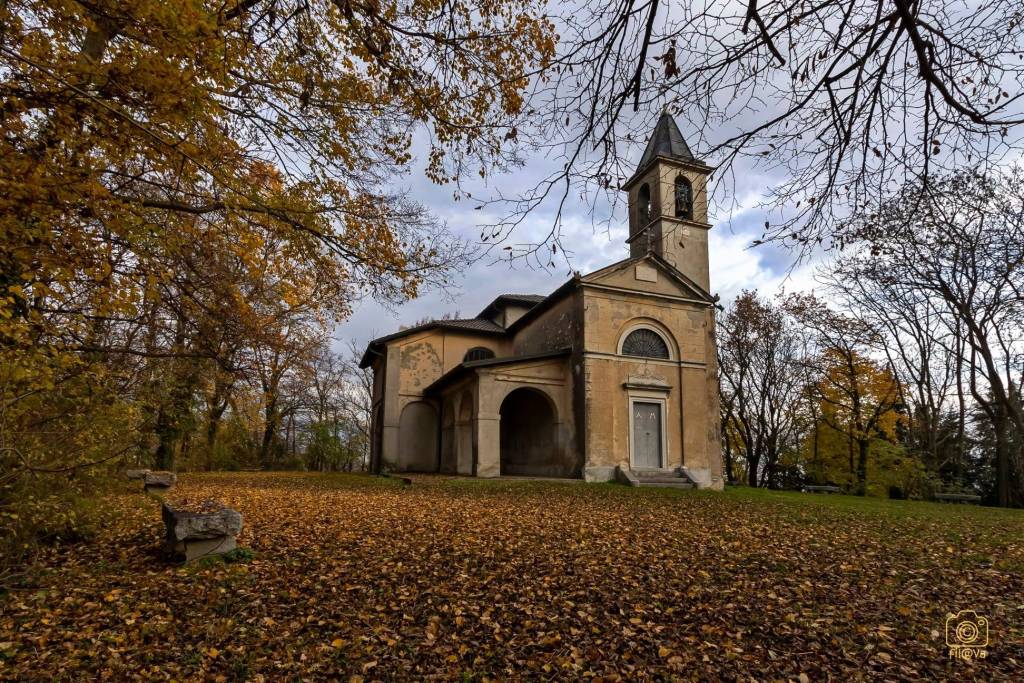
[
  {"x": 411, "y": 364},
  {"x": 557, "y": 327},
  {"x": 686, "y": 384}
]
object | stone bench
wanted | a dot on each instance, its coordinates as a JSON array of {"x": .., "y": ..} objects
[
  {"x": 823, "y": 489},
  {"x": 159, "y": 482},
  {"x": 136, "y": 474},
  {"x": 196, "y": 531},
  {"x": 957, "y": 498}
]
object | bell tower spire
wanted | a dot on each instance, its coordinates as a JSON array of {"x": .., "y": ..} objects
[{"x": 668, "y": 207}]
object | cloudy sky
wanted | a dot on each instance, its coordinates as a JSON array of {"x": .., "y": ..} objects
[{"x": 595, "y": 243}]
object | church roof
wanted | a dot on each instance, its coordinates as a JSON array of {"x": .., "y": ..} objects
[
  {"x": 528, "y": 300},
  {"x": 523, "y": 298},
  {"x": 477, "y": 325},
  {"x": 666, "y": 141},
  {"x": 538, "y": 304}
]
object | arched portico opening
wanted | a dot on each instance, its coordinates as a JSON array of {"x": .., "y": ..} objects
[{"x": 529, "y": 436}]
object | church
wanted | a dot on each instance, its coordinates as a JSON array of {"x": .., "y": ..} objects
[{"x": 611, "y": 376}]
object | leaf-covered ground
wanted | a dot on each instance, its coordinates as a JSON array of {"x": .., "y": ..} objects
[{"x": 457, "y": 579}]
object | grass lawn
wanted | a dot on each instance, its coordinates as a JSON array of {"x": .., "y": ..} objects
[{"x": 467, "y": 580}]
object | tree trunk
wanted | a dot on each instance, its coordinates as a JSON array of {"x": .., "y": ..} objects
[
  {"x": 752, "y": 465},
  {"x": 817, "y": 478},
  {"x": 167, "y": 435},
  {"x": 270, "y": 426},
  {"x": 212, "y": 426},
  {"x": 727, "y": 450},
  {"x": 863, "y": 446},
  {"x": 1000, "y": 427}
]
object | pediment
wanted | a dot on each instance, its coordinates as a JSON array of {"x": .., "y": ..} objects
[{"x": 649, "y": 274}]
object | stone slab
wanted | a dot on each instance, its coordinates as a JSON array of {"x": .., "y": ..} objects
[
  {"x": 159, "y": 481},
  {"x": 205, "y": 547}
]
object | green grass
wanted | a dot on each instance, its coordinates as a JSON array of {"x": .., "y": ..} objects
[{"x": 868, "y": 505}]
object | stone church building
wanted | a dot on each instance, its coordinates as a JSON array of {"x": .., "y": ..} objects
[{"x": 611, "y": 375}]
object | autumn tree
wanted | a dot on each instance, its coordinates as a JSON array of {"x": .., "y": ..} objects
[
  {"x": 763, "y": 378},
  {"x": 142, "y": 138},
  {"x": 858, "y": 396},
  {"x": 173, "y": 173}
]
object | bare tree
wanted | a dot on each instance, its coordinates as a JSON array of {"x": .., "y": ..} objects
[
  {"x": 920, "y": 347},
  {"x": 357, "y": 402},
  {"x": 847, "y": 99},
  {"x": 959, "y": 243}
]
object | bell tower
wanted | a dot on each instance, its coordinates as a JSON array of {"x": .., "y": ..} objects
[{"x": 668, "y": 203}]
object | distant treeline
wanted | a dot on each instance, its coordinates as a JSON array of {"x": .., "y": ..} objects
[{"x": 907, "y": 382}]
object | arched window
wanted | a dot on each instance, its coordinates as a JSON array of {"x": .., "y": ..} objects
[
  {"x": 643, "y": 205},
  {"x": 684, "y": 198},
  {"x": 645, "y": 343},
  {"x": 477, "y": 353}
]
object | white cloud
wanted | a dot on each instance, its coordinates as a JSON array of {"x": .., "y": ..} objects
[{"x": 592, "y": 244}]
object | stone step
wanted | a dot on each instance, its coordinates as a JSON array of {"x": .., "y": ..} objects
[
  {"x": 676, "y": 484},
  {"x": 664, "y": 480},
  {"x": 655, "y": 472}
]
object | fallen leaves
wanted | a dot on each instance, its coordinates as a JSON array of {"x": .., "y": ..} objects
[{"x": 358, "y": 579}]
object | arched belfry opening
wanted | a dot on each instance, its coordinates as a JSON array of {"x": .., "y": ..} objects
[
  {"x": 529, "y": 438},
  {"x": 643, "y": 205},
  {"x": 684, "y": 198}
]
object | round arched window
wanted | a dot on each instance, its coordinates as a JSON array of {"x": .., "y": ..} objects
[
  {"x": 477, "y": 353},
  {"x": 645, "y": 343}
]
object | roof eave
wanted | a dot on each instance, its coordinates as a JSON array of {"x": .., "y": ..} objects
[
  {"x": 694, "y": 164},
  {"x": 368, "y": 355}
]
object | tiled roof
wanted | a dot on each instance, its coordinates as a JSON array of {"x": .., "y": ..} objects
[
  {"x": 475, "y": 324},
  {"x": 666, "y": 141},
  {"x": 529, "y": 298}
]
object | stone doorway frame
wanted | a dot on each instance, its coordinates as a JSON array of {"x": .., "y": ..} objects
[{"x": 658, "y": 396}]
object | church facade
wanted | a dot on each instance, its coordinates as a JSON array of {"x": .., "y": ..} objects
[{"x": 613, "y": 373}]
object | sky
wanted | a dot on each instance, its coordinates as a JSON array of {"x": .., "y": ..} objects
[
  {"x": 735, "y": 209},
  {"x": 735, "y": 264}
]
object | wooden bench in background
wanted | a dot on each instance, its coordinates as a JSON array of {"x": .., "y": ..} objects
[
  {"x": 957, "y": 498},
  {"x": 823, "y": 489}
]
